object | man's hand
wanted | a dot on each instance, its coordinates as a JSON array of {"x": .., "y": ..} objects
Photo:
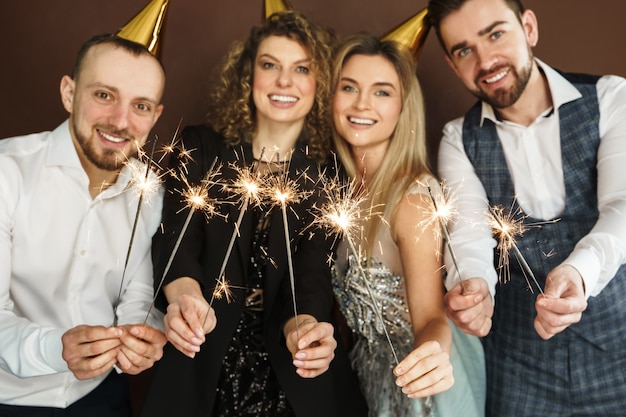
[
  {"x": 141, "y": 346},
  {"x": 563, "y": 301},
  {"x": 315, "y": 349},
  {"x": 91, "y": 351},
  {"x": 471, "y": 310}
]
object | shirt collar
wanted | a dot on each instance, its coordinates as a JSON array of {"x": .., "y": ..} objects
[
  {"x": 562, "y": 92},
  {"x": 62, "y": 152}
]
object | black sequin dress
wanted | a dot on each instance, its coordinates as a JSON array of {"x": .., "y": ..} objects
[{"x": 247, "y": 384}]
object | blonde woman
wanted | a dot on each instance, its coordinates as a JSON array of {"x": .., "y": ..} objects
[{"x": 379, "y": 134}]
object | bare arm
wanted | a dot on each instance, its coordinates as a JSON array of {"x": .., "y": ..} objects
[{"x": 427, "y": 369}]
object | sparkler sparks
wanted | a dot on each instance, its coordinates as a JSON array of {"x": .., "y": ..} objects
[
  {"x": 248, "y": 188},
  {"x": 171, "y": 147},
  {"x": 343, "y": 209},
  {"x": 507, "y": 227},
  {"x": 281, "y": 190},
  {"x": 341, "y": 215},
  {"x": 146, "y": 185},
  {"x": 196, "y": 198},
  {"x": 442, "y": 212}
]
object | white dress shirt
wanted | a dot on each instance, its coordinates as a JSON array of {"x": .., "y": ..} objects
[
  {"x": 533, "y": 156},
  {"x": 62, "y": 256}
]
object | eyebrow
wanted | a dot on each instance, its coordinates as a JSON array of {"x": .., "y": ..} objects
[
  {"x": 377, "y": 84},
  {"x": 116, "y": 90},
  {"x": 272, "y": 57},
  {"x": 482, "y": 32}
]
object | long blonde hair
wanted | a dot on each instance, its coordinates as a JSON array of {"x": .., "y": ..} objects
[{"x": 406, "y": 158}]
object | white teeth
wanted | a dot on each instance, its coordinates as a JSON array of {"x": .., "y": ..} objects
[
  {"x": 112, "y": 138},
  {"x": 284, "y": 99},
  {"x": 361, "y": 121},
  {"x": 496, "y": 77}
]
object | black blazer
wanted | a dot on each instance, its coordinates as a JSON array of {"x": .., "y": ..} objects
[{"x": 186, "y": 387}]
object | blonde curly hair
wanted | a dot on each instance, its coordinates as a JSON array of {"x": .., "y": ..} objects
[{"x": 232, "y": 109}]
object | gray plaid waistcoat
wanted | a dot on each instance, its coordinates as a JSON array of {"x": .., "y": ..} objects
[{"x": 604, "y": 321}]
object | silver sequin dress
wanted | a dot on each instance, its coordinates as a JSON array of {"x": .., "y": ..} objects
[{"x": 372, "y": 356}]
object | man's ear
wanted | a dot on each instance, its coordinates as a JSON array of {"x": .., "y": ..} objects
[
  {"x": 531, "y": 27},
  {"x": 67, "y": 89}
]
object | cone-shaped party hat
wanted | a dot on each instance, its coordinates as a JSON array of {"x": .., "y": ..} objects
[
  {"x": 411, "y": 33},
  {"x": 146, "y": 26},
  {"x": 273, "y": 6}
]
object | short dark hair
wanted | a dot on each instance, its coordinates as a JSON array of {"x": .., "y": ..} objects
[
  {"x": 439, "y": 9},
  {"x": 133, "y": 48}
]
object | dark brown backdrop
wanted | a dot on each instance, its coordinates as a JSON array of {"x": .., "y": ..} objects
[{"x": 39, "y": 39}]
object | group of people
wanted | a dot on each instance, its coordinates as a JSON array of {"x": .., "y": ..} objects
[{"x": 383, "y": 330}]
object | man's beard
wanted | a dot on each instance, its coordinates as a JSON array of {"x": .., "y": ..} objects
[
  {"x": 502, "y": 98},
  {"x": 108, "y": 159}
]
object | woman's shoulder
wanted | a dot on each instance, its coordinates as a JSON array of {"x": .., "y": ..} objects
[{"x": 426, "y": 184}]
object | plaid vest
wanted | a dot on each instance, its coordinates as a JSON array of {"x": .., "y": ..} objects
[{"x": 545, "y": 247}]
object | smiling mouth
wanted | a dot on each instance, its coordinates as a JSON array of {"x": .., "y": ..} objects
[
  {"x": 283, "y": 99},
  {"x": 496, "y": 77},
  {"x": 111, "y": 138},
  {"x": 361, "y": 121}
]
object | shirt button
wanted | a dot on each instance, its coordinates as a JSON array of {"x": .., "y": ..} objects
[{"x": 83, "y": 252}]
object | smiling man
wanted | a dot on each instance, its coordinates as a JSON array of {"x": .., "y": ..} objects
[
  {"x": 551, "y": 147},
  {"x": 66, "y": 214}
]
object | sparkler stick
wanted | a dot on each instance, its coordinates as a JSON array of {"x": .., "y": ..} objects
[
  {"x": 339, "y": 214},
  {"x": 290, "y": 265},
  {"x": 507, "y": 230},
  {"x": 247, "y": 185},
  {"x": 441, "y": 212},
  {"x": 282, "y": 191},
  {"x": 197, "y": 199},
  {"x": 143, "y": 186}
]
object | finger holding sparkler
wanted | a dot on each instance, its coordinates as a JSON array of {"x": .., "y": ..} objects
[
  {"x": 186, "y": 309},
  {"x": 312, "y": 351},
  {"x": 197, "y": 199}
]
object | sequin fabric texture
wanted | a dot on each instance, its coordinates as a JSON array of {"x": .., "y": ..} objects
[
  {"x": 247, "y": 386},
  {"x": 372, "y": 356}
]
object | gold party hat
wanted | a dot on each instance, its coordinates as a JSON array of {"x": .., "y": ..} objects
[
  {"x": 273, "y": 6},
  {"x": 146, "y": 26},
  {"x": 411, "y": 33}
]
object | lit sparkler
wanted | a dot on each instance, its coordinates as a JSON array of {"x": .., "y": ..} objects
[
  {"x": 281, "y": 191},
  {"x": 171, "y": 147},
  {"x": 146, "y": 186},
  {"x": 442, "y": 211},
  {"x": 341, "y": 214},
  {"x": 507, "y": 228},
  {"x": 196, "y": 198},
  {"x": 248, "y": 187}
]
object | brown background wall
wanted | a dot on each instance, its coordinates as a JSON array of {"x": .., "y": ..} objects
[{"x": 39, "y": 39}]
